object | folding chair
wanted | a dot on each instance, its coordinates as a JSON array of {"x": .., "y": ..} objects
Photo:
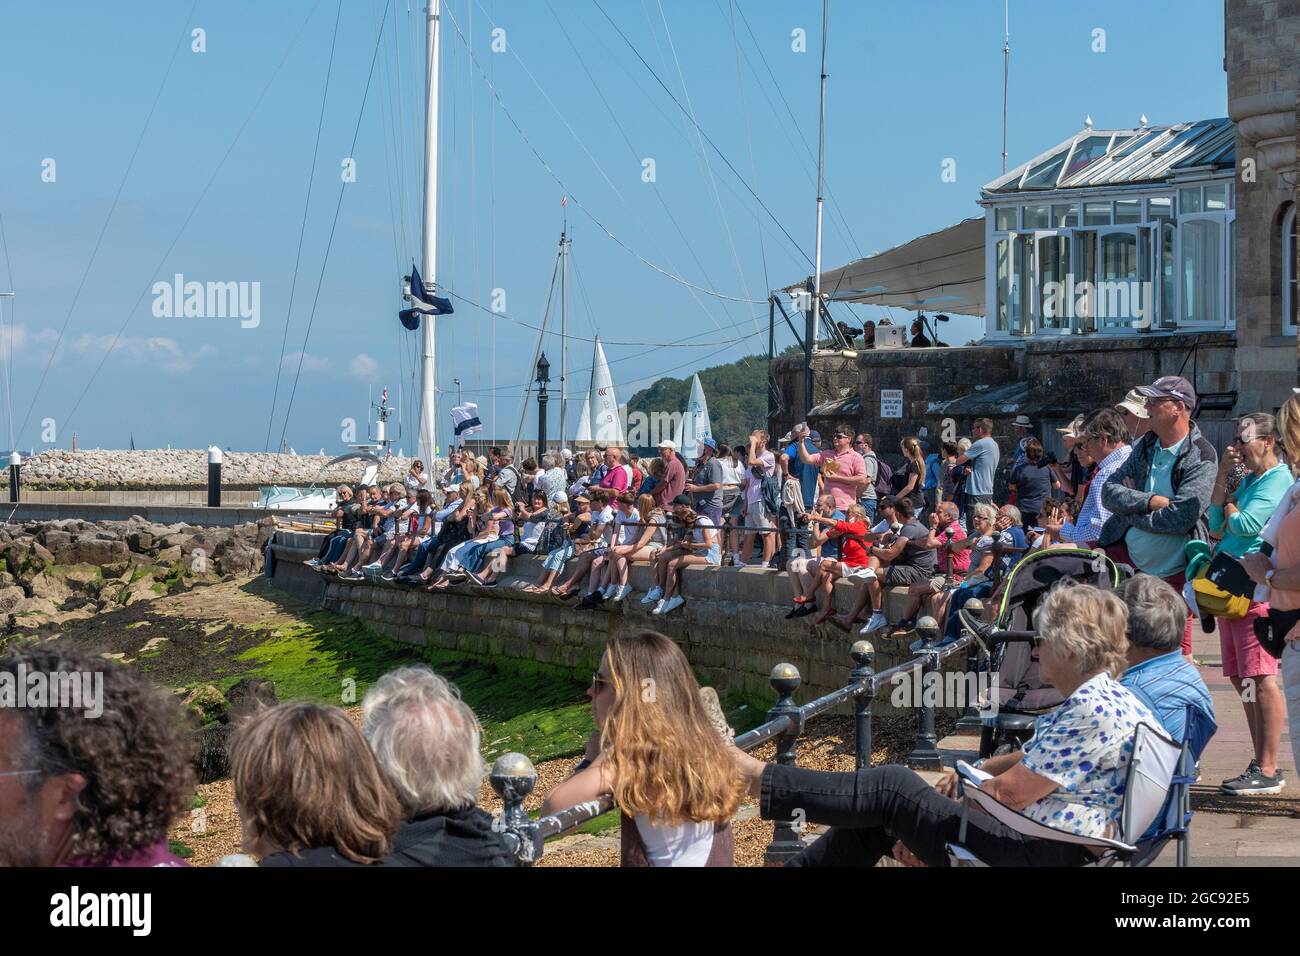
[{"x": 1156, "y": 807}]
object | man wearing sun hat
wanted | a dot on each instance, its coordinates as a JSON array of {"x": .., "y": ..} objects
[
  {"x": 673, "y": 483},
  {"x": 1024, "y": 434},
  {"x": 1159, "y": 498},
  {"x": 1134, "y": 410}
]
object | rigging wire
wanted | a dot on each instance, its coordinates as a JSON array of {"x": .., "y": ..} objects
[
  {"x": 703, "y": 134},
  {"x": 302, "y": 229},
  {"x": 190, "y": 216},
  {"x": 338, "y": 206},
  {"x": 570, "y": 193},
  {"x": 85, "y": 274},
  {"x": 7, "y": 337},
  {"x": 704, "y": 156},
  {"x": 681, "y": 234}
]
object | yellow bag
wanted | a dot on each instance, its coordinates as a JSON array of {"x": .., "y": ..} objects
[{"x": 1215, "y": 601}]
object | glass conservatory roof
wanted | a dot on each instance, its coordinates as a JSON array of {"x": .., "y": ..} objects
[{"x": 1112, "y": 157}]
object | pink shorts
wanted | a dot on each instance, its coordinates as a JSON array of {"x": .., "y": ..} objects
[{"x": 1242, "y": 655}]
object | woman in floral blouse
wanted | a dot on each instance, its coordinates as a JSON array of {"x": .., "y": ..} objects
[{"x": 1070, "y": 775}]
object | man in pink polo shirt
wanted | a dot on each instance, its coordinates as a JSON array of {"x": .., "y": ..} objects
[{"x": 844, "y": 473}]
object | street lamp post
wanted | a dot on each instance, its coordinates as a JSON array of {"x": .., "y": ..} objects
[
  {"x": 543, "y": 376},
  {"x": 460, "y": 397}
]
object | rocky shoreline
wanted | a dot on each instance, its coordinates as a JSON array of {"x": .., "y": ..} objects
[
  {"x": 110, "y": 470},
  {"x": 53, "y": 572}
]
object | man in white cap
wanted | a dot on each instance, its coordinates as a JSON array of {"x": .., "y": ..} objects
[
  {"x": 1024, "y": 433},
  {"x": 1134, "y": 410},
  {"x": 673, "y": 483}
]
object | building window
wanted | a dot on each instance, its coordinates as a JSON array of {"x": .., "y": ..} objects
[
  {"x": 1128, "y": 210},
  {"x": 1202, "y": 270},
  {"x": 1096, "y": 214},
  {"x": 1189, "y": 200},
  {"x": 1004, "y": 219},
  {"x": 1036, "y": 217},
  {"x": 1289, "y": 288}
]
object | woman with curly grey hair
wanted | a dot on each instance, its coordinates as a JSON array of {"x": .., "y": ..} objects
[{"x": 98, "y": 772}]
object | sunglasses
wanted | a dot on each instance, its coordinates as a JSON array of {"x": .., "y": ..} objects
[{"x": 597, "y": 681}]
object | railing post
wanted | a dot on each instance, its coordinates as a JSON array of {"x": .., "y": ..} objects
[
  {"x": 925, "y": 752},
  {"x": 786, "y": 839},
  {"x": 513, "y": 778},
  {"x": 863, "y": 657},
  {"x": 970, "y": 722}
]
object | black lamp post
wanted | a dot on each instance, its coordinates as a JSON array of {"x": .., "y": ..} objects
[{"x": 543, "y": 376}]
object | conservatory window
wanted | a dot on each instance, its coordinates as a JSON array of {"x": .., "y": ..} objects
[
  {"x": 1036, "y": 217},
  {"x": 1189, "y": 200},
  {"x": 1096, "y": 214},
  {"x": 1216, "y": 197},
  {"x": 1065, "y": 216},
  {"x": 1160, "y": 207},
  {"x": 1004, "y": 219},
  {"x": 1200, "y": 265},
  {"x": 1128, "y": 210}
]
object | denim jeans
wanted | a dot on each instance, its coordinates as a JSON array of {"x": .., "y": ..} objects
[
  {"x": 415, "y": 559},
  {"x": 869, "y": 506},
  {"x": 871, "y": 809},
  {"x": 476, "y": 556},
  {"x": 952, "y": 629},
  {"x": 337, "y": 545}
]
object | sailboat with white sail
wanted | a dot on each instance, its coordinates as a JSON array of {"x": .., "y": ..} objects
[
  {"x": 694, "y": 423},
  {"x": 606, "y": 425}
]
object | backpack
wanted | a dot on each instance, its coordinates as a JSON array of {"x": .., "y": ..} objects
[
  {"x": 772, "y": 494},
  {"x": 884, "y": 477}
]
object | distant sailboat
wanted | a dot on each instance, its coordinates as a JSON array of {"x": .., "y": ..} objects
[
  {"x": 606, "y": 427},
  {"x": 694, "y": 423}
]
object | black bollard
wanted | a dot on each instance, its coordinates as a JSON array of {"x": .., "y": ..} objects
[
  {"x": 863, "y": 656},
  {"x": 214, "y": 477},
  {"x": 787, "y": 840},
  {"x": 513, "y": 778},
  {"x": 925, "y": 752},
  {"x": 15, "y": 466}
]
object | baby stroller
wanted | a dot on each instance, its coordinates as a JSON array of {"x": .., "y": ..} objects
[{"x": 1019, "y": 696}]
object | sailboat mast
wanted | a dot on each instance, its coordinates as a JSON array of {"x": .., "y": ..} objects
[
  {"x": 428, "y": 381},
  {"x": 564, "y": 338},
  {"x": 821, "y": 175}
]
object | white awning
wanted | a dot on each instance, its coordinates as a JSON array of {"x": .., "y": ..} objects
[{"x": 941, "y": 272}]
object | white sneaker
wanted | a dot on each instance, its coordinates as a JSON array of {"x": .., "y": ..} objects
[
  {"x": 876, "y": 623},
  {"x": 672, "y": 604},
  {"x": 621, "y": 591},
  {"x": 373, "y": 565},
  {"x": 659, "y": 607},
  {"x": 653, "y": 595},
  {"x": 608, "y": 590}
]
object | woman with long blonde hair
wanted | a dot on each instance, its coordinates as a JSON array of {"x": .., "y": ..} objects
[{"x": 660, "y": 755}]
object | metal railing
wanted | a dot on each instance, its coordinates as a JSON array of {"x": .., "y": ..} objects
[{"x": 513, "y": 776}]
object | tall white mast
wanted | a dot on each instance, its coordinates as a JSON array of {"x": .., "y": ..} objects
[
  {"x": 821, "y": 163},
  {"x": 564, "y": 337},
  {"x": 428, "y": 381},
  {"x": 1006, "y": 73}
]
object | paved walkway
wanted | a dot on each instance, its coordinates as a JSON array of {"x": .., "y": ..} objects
[{"x": 1226, "y": 831}]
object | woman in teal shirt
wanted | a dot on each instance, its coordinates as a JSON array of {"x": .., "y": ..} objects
[{"x": 1240, "y": 518}]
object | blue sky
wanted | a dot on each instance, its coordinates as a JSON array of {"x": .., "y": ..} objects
[{"x": 218, "y": 184}]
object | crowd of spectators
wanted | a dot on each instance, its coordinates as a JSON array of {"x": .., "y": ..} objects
[
  {"x": 1139, "y": 482},
  {"x": 945, "y": 520}
]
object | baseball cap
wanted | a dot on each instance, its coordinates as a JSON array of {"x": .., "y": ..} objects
[
  {"x": 815, "y": 435},
  {"x": 1072, "y": 430},
  {"x": 709, "y": 443},
  {"x": 1134, "y": 403},
  {"x": 1170, "y": 386}
]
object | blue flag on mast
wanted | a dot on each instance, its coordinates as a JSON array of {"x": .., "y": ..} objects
[{"x": 422, "y": 303}]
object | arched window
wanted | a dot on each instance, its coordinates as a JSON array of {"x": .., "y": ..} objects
[{"x": 1290, "y": 300}]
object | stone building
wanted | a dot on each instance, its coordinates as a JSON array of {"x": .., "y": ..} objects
[{"x": 1111, "y": 258}]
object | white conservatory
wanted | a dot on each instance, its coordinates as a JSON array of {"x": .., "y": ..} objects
[{"x": 1114, "y": 232}]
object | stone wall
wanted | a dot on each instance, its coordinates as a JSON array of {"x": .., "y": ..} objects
[
  {"x": 732, "y": 627},
  {"x": 1262, "y": 58}
]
